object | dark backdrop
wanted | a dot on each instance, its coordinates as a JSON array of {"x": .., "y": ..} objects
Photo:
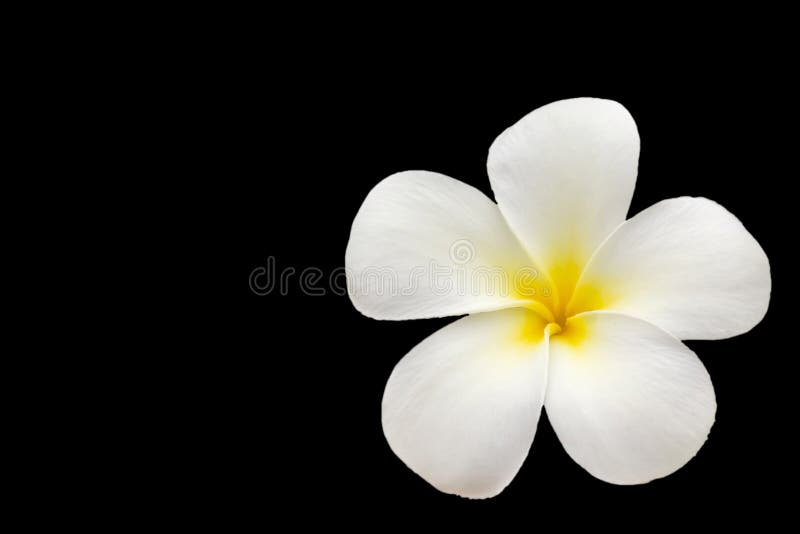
[{"x": 294, "y": 394}]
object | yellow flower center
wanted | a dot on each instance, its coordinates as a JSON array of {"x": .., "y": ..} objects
[{"x": 556, "y": 298}]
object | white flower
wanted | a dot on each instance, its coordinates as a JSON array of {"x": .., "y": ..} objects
[{"x": 593, "y": 336}]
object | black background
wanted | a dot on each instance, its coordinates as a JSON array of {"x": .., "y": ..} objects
[{"x": 294, "y": 392}]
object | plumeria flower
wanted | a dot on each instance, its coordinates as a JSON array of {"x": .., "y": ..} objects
[{"x": 594, "y": 337}]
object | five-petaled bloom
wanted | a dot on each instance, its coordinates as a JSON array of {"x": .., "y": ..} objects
[{"x": 594, "y": 338}]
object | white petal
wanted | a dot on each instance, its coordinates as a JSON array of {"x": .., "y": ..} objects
[
  {"x": 425, "y": 245},
  {"x": 563, "y": 176},
  {"x": 461, "y": 408},
  {"x": 629, "y": 402},
  {"x": 686, "y": 265}
]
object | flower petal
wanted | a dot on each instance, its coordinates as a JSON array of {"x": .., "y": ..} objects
[
  {"x": 686, "y": 265},
  {"x": 426, "y": 245},
  {"x": 564, "y": 176},
  {"x": 461, "y": 408},
  {"x": 629, "y": 402}
]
